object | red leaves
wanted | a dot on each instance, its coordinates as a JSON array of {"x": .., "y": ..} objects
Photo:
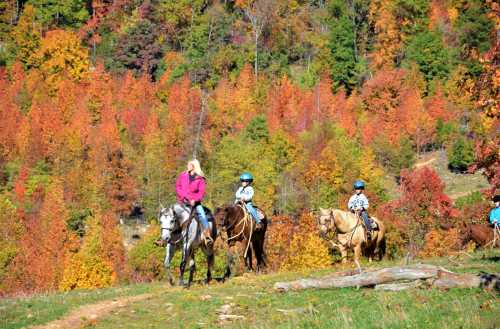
[{"x": 423, "y": 195}]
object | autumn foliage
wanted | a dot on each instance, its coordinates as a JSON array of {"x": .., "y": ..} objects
[{"x": 101, "y": 105}]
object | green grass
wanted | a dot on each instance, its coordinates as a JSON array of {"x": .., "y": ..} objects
[
  {"x": 254, "y": 298},
  {"x": 457, "y": 185},
  {"x": 25, "y": 311}
]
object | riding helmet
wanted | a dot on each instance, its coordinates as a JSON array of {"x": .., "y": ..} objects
[
  {"x": 496, "y": 198},
  {"x": 246, "y": 177},
  {"x": 359, "y": 185}
]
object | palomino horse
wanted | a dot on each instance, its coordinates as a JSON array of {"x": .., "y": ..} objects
[
  {"x": 239, "y": 226},
  {"x": 351, "y": 234},
  {"x": 180, "y": 228}
]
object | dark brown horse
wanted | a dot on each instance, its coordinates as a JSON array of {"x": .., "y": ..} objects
[
  {"x": 240, "y": 227},
  {"x": 481, "y": 234}
]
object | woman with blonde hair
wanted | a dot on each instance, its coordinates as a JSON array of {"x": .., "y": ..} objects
[{"x": 190, "y": 190}]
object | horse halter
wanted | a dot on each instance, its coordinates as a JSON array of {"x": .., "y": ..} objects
[
  {"x": 323, "y": 223},
  {"x": 170, "y": 212}
]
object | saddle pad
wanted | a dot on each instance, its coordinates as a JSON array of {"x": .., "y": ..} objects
[{"x": 260, "y": 213}]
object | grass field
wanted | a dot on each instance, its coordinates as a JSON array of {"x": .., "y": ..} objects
[{"x": 253, "y": 298}]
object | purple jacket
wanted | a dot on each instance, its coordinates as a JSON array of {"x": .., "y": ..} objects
[{"x": 189, "y": 190}]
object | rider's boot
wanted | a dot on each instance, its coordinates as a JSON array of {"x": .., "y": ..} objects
[
  {"x": 160, "y": 242},
  {"x": 208, "y": 236}
]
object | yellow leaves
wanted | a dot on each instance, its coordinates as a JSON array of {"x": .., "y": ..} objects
[
  {"x": 369, "y": 172},
  {"x": 440, "y": 242},
  {"x": 453, "y": 14},
  {"x": 61, "y": 53},
  {"x": 388, "y": 40},
  {"x": 86, "y": 273},
  {"x": 26, "y": 36},
  {"x": 307, "y": 251}
]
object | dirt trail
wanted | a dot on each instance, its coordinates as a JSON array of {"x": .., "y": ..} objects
[
  {"x": 89, "y": 313},
  {"x": 426, "y": 163}
]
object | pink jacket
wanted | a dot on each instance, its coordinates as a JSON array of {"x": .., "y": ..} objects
[{"x": 189, "y": 190}]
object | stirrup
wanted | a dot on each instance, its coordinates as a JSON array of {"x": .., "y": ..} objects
[
  {"x": 159, "y": 243},
  {"x": 208, "y": 238}
]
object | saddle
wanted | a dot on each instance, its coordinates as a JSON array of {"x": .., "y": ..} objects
[
  {"x": 260, "y": 213},
  {"x": 374, "y": 225}
]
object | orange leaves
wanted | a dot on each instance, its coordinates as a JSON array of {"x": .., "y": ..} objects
[
  {"x": 440, "y": 243},
  {"x": 289, "y": 108},
  {"x": 44, "y": 245},
  {"x": 388, "y": 40},
  {"x": 232, "y": 105}
]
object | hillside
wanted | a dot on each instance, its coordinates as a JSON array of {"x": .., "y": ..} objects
[
  {"x": 457, "y": 185},
  {"x": 104, "y": 103}
]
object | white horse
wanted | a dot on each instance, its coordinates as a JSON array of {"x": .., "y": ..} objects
[{"x": 179, "y": 228}]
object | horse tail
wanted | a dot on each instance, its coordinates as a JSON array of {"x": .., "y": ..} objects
[{"x": 382, "y": 248}]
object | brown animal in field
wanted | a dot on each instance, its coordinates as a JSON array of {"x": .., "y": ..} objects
[
  {"x": 481, "y": 234},
  {"x": 351, "y": 234},
  {"x": 240, "y": 227}
]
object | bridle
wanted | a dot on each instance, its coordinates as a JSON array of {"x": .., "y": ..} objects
[
  {"x": 245, "y": 219},
  {"x": 169, "y": 229}
]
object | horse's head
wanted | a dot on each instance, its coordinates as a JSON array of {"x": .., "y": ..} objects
[
  {"x": 324, "y": 221},
  {"x": 221, "y": 215},
  {"x": 168, "y": 222}
]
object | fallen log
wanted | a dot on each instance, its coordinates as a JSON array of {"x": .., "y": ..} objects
[
  {"x": 447, "y": 280},
  {"x": 399, "y": 286},
  {"x": 397, "y": 278},
  {"x": 364, "y": 279}
]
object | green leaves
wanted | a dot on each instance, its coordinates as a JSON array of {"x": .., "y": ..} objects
[
  {"x": 61, "y": 13},
  {"x": 427, "y": 50}
]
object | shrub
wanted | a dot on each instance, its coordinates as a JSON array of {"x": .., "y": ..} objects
[
  {"x": 461, "y": 155},
  {"x": 86, "y": 272},
  {"x": 440, "y": 242},
  {"x": 307, "y": 251},
  {"x": 94, "y": 265},
  {"x": 278, "y": 238},
  {"x": 145, "y": 259}
]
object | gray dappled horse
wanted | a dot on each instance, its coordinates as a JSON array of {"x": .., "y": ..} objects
[{"x": 180, "y": 229}]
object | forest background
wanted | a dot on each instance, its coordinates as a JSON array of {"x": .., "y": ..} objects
[{"x": 103, "y": 102}]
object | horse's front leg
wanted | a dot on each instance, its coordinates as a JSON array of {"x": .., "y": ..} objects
[
  {"x": 169, "y": 254},
  {"x": 192, "y": 269},
  {"x": 210, "y": 265},
  {"x": 182, "y": 267},
  {"x": 343, "y": 253},
  {"x": 357, "y": 254},
  {"x": 248, "y": 259},
  {"x": 229, "y": 262}
]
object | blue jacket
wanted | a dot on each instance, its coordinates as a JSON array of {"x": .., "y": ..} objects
[{"x": 495, "y": 216}]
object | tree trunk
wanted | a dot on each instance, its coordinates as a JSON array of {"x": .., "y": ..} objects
[
  {"x": 390, "y": 279},
  {"x": 364, "y": 279}
]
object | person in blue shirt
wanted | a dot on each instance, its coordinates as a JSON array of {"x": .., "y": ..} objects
[
  {"x": 245, "y": 194},
  {"x": 359, "y": 203},
  {"x": 495, "y": 212}
]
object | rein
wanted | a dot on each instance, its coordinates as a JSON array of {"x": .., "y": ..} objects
[
  {"x": 244, "y": 220},
  {"x": 352, "y": 232}
]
